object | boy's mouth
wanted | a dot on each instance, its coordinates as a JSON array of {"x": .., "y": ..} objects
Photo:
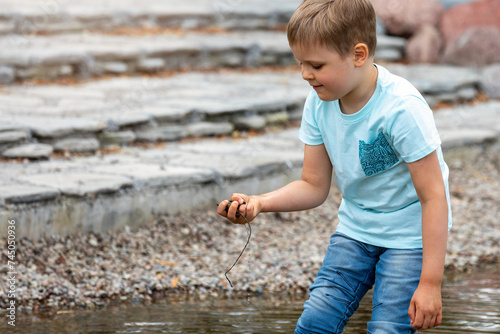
[{"x": 317, "y": 87}]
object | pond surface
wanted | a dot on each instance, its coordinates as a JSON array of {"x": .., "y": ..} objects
[{"x": 471, "y": 305}]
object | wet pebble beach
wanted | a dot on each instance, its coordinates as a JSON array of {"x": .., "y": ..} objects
[{"x": 188, "y": 254}]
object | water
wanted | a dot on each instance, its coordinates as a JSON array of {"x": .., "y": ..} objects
[{"x": 471, "y": 304}]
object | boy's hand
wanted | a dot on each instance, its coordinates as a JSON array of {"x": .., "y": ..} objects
[
  {"x": 249, "y": 206},
  {"x": 425, "y": 307}
]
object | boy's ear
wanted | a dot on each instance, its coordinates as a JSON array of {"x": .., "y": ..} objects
[{"x": 361, "y": 54}]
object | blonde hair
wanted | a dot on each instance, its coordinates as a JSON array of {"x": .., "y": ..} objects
[{"x": 335, "y": 24}]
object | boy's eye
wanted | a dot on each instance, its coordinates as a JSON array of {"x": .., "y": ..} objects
[{"x": 316, "y": 67}]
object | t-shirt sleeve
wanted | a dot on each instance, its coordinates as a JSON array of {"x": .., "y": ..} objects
[
  {"x": 309, "y": 132},
  {"x": 413, "y": 130}
]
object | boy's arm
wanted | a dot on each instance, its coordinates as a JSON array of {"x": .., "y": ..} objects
[
  {"x": 309, "y": 192},
  {"x": 425, "y": 308}
]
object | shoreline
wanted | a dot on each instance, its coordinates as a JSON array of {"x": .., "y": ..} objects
[{"x": 187, "y": 255}]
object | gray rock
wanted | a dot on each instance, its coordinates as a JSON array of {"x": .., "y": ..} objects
[
  {"x": 166, "y": 113},
  {"x": 126, "y": 119},
  {"x": 390, "y": 48},
  {"x": 65, "y": 70},
  {"x": 89, "y": 144},
  {"x": 151, "y": 64},
  {"x": 159, "y": 175},
  {"x": 277, "y": 118},
  {"x": 13, "y": 136},
  {"x": 79, "y": 184},
  {"x": 435, "y": 79},
  {"x": 467, "y": 93},
  {"x": 391, "y": 42},
  {"x": 30, "y": 151},
  {"x": 18, "y": 193},
  {"x": 209, "y": 129},
  {"x": 249, "y": 122},
  {"x": 484, "y": 116},
  {"x": 162, "y": 133},
  {"x": 431, "y": 100},
  {"x": 13, "y": 58},
  {"x": 56, "y": 55},
  {"x": 118, "y": 138},
  {"x": 380, "y": 27},
  {"x": 465, "y": 136},
  {"x": 388, "y": 55},
  {"x": 490, "y": 81},
  {"x": 61, "y": 27},
  {"x": 7, "y": 75},
  {"x": 114, "y": 67},
  {"x": 58, "y": 127}
]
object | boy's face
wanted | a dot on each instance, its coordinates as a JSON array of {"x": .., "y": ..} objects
[{"x": 330, "y": 75}]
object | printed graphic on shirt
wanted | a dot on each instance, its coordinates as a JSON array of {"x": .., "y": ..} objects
[{"x": 376, "y": 156}]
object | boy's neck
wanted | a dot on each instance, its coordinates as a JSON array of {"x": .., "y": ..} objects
[{"x": 361, "y": 94}]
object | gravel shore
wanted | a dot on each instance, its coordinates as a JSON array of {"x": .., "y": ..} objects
[{"x": 189, "y": 253}]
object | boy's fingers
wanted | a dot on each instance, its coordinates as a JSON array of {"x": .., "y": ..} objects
[
  {"x": 231, "y": 212},
  {"x": 411, "y": 311},
  {"x": 240, "y": 198},
  {"x": 240, "y": 208},
  {"x": 439, "y": 319},
  {"x": 432, "y": 321},
  {"x": 415, "y": 316},
  {"x": 221, "y": 209}
]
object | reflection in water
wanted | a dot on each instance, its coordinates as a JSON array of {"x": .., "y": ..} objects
[{"x": 471, "y": 305}]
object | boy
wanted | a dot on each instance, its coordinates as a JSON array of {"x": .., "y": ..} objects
[{"x": 377, "y": 133}]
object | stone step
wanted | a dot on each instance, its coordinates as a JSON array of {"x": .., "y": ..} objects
[
  {"x": 84, "y": 55},
  {"x": 27, "y": 17},
  {"x": 39, "y": 120},
  {"x": 87, "y": 117},
  {"x": 100, "y": 193}
]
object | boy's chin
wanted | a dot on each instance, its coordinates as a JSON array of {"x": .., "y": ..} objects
[{"x": 326, "y": 98}]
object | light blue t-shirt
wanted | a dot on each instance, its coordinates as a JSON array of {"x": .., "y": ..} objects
[{"x": 369, "y": 151}]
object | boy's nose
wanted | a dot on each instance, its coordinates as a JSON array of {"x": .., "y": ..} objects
[{"x": 306, "y": 74}]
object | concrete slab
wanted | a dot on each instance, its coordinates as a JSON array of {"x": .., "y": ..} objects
[
  {"x": 150, "y": 175},
  {"x": 229, "y": 160},
  {"x": 12, "y": 136},
  {"x": 54, "y": 127},
  {"x": 17, "y": 194},
  {"x": 79, "y": 184},
  {"x": 47, "y": 57},
  {"x": 435, "y": 79},
  {"x": 29, "y": 151},
  {"x": 464, "y": 136},
  {"x": 484, "y": 116},
  {"x": 64, "y": 16}
]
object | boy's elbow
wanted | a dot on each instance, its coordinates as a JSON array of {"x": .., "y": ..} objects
[{"x": 319, "y": 189}]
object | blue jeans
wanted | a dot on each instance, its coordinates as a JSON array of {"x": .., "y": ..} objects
[{"x": 349, "y": 270}]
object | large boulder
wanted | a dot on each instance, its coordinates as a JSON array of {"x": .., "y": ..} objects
[
  {"x": 425, "y": 45},
  {"x": 477, "y": 46},
  {"x": 460, "y": 18},
  {"x": 403, "y": 18}
]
